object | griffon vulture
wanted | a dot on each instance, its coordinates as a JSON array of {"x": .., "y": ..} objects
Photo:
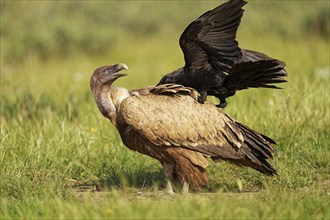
[
  {"x": 167, "y": 123},
  {"x": 215, "y": 65}
]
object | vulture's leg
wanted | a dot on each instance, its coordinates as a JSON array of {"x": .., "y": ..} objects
[
  {"x": 169, "y": 188},
  {"x": 168, "y": 170},
  {"x": 203, "y": 96},
  {"x": 185, "y": 187}
]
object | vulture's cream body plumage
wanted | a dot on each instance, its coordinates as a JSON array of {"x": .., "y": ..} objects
[{"x": 167, "y": 123}]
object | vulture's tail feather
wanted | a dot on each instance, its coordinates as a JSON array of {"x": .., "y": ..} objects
[
  {"x": 258, "y": 149},
  {"x": 254, "y": 151}
]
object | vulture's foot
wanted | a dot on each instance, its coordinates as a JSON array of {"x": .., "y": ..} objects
[
  {"x": 169, "y": 188},
  {"x": 168, "y": 170},
  {"x": 203, "y": 96},
  {"x": 222, "y": 104},
  {"x": 185, "y": 188}
]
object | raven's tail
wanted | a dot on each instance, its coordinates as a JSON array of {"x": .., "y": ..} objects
[{"x": 260, "y": 72}]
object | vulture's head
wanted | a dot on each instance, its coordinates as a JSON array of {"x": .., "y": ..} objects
[{"x": 106, "y": 75}]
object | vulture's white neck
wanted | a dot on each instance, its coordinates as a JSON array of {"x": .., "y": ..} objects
[{"x": 118, "y": 94}]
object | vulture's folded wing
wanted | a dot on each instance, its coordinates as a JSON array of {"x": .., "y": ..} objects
[
  {"x": 210, "y": 40},
  {"x": 172, "y": 117}
]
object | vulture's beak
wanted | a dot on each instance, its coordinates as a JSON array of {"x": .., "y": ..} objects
[{"x": 117, "y": 68}]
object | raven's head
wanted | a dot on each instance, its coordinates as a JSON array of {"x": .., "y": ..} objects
[{"x": 176, "y": 77}]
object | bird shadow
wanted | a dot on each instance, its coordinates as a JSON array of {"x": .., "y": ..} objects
[
  {"x": 143, "y": 180},
  {"x": 140, "y": 179}
]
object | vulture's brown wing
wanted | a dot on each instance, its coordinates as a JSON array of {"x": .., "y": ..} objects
[
  {"x": 170, "y": 117},
  {"x": 167, "y": 117},
  {"x": 209, "y": 41}
]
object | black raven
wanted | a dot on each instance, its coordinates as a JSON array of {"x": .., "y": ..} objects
[{"x": 215, "y": 65}]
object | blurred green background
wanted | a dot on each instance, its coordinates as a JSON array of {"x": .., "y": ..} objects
[
  {"x": 144, "y": 34},
  {"x": 44, "y": 43},
  {"x": 53, "y": 139},
  {"x": 51, "y": 29}
]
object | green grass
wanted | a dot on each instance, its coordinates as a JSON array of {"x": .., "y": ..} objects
[
  {"x": 119, "y": 205},
  {"x": 55, "y": 146}
]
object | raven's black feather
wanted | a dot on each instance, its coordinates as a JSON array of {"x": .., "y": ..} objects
[{"x": 214, "y": 64}]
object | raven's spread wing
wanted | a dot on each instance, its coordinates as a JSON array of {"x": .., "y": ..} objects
[
  {"x": 209, "y": 42},
  {"x": 170, "y": 116}
]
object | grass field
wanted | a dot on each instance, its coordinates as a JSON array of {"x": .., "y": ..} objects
[{"x": 60, "y": 159}]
